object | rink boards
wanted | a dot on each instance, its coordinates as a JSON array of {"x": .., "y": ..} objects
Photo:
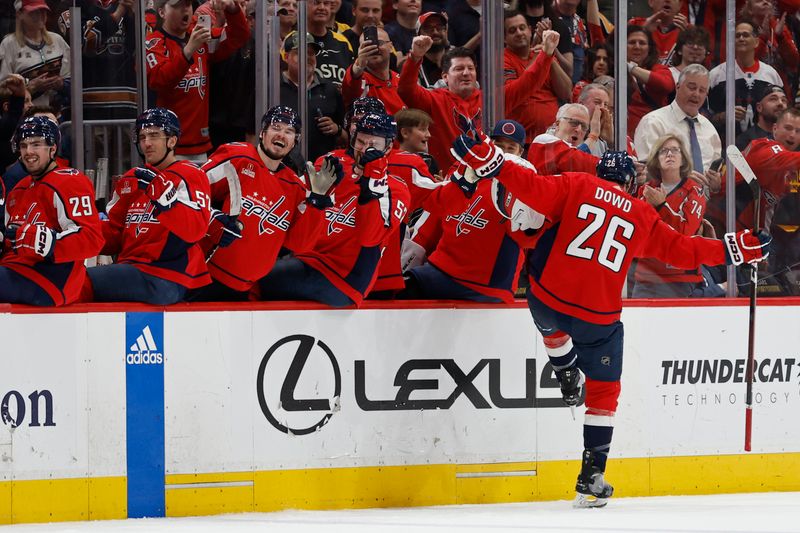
[{"x": 111, "y": 412}]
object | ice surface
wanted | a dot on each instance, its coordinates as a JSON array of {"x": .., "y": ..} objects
[{"x": 730, "y": 513}]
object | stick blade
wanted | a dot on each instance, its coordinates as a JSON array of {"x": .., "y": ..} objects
[{"x": 738, "y": 161}]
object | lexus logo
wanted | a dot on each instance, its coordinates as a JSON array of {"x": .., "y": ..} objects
[{"x": 293, "y": 401}]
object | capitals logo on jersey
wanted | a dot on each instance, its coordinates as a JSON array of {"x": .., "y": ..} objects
[
  {"x": 466, "y": 123},
  {"x": 195, "y": 78},
  {"x": 344, "y": 216},
  {"x": 267, "y": 213},
  {"x": 469, "y": 219}
]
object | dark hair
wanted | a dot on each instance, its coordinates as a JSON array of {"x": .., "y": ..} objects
[
  {"x": 591, "y": 58},
  {"x": 691, "y": 35},
  {"x": 788, "y": 111},
  {"x": 511, "y": 13},
  {"x": 39, "y": 109},
  {"x": 749, "y": 22},
  {"x": 652, "y": 53},
  {"x": 458, "y": 51},
  {"x": 411, "y": 118}
]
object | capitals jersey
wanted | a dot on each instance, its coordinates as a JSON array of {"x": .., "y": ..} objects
[
  {"x": 273, "y": 212},
  {"x": 683, "y": 210},
  {"x": 349, "y": 248},
  {"x": 412, "y": 171},
  {"x": 467, "y": 239},
  {"x": 579, "y": 265},
  {"x": 551, "y": 155},
  {"x": 62, "y": 200},
  {"x": 777, "y": 168},
  {"x": 161, "y": 243},
  {"x": 182, "y": 85}
]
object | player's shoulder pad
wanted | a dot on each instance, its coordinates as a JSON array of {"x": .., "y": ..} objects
[{"x": 521, "y": 161}]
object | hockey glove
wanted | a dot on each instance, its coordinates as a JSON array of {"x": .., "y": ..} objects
[
  {"x": 32, "y": 240},
  {"x": 228, "y": 227},
  {"x": 157, "y": 187},
  {"x": 522, "y": 217},
  {"x": 481, "y": 155},
  {"x": 331, "y": 173},
  {"x": 465, "y": 177},
  {"x": 411, "y": 255},
  {"x": 745, "y": 247},
  {"x": 374, "y": 182}
]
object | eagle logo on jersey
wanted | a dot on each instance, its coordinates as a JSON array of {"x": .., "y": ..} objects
[
  {"x": 468, "y": 218},
  {"x": 464, "y": 122},
  {"x": 267, "y": 214},
  {"x": 341, "y": 216},
  {"x": 150, "y": 43}
]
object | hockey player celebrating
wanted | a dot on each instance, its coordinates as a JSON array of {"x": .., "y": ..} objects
[
  {"x": 276, "y": 209},
  {"x": 340, "y": 268},
  {"x": 577, "y": 271},
  {"x": 50, "y": 226},
  {"x": 156, "y": 216}
]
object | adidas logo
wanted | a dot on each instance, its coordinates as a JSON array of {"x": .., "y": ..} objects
[{"x": 144, "y": 351}]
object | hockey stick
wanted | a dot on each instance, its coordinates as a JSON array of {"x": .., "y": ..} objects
[
  {"x": 738, "y": 161},
  {"x": 235, "y": 195}
]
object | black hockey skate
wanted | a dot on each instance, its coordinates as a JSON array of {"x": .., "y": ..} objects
[
  {"x": 571, "y": 381},
  {"x": 592, "y": 489}
]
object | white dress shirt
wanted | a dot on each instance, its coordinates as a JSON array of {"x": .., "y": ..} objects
[{"x": 670, "y": 119}]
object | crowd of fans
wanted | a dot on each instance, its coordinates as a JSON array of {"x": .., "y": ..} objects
[{"x": 378, "y": 207}]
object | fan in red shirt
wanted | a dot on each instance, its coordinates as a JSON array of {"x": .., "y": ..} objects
[
  {"x": 178, "y": 69},
  {"x": 455, "y": 109},
  {"x": 156, "y": 217},
  {"x": 50, "y": 225},
  {"x": 340, "y": 267},
  {"x": 271, "y": 205},
  {"x": 370, "y": 74},
  {"x": 577, "y": 271}
]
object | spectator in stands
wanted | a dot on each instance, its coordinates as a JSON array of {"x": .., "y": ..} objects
[
  {"x": 370, "y": 74},
  {"x": 108, "y": 59},
  {"x": 365, "y": 13},
  {"x": 413, "y": 134},
  {"x": 178, "y": 60},
  {"x": 333, "y": 23},
  {"x": 776, "y": 45},
  {"x": 556, "y": 151},
  {"x": 38, "y": 55},
  {"x": 325, "y": 107},
  {"x": 664, "y": 24},
  {"x": 680, "y": 204},
  {"x": 770, "y": 102},
  {"x": 233, "y": 100},
  {"x": 287, "y": 14},
  {"x": 599, "y": 62},
  {"x": 464, "y": 29},
  {"x": 566, "y": 11},
  {"x": 403, "y": 28},
  {"x": 540, "y": 17},
  {"x": 682, "y": 117},
  {"x": 752, "y": 76},
  {"x": 455, "y": 109},
  {"x": 335, "y": 54},
  {"x": 649, "y": 82},
  {"x": 534, "y": 83},
  {"x": 597, "y": 100},
  {"x": 692, "y": 47},
  {"x": 433, "y": 24},
  {"x": 14, "y": 101}
]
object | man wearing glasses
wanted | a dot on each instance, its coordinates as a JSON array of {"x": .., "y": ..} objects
[
  {"x": 370, "y": 75},
  {"x": 556, "y": 151}
]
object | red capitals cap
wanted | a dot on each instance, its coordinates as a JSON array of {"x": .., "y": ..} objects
[
  {"x": 425, "y": 16},
  {"x": 27, "y": 6}
]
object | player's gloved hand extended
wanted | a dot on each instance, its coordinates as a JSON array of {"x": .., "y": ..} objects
[
  {"x": 523, "y": 218},
  {"x": 746, "y": 247},
  {"x": 157, "y": 187},
  {"x": 229, "y": 228},
  {"x": 465, "y": 177},
  {"x": 481, "y": 155},
  {"x": 374, "y": 181},
  {"x": 322, "y": 180},
  {"x": 32, "y": 240}
]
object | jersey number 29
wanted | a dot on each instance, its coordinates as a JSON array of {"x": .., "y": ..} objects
[{"x": 597, "y": 218}]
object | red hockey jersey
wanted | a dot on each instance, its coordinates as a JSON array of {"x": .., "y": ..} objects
[
  {"x": 551, "y": 155},
  {"x": 529, "y": 94},
  {"x": 578, "y": 266},
  {"x": 452, "y": 115},
  {"x": 161, "y": 243},
  {"x": 273, "y": 210},
  {"x": 183, "y": 86},
  {"x": 349, "y": 248},
  {"x": 62, "y": 200},
  {"x": 467, "y": 239},
  {"x": 683, "y": 211}
]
